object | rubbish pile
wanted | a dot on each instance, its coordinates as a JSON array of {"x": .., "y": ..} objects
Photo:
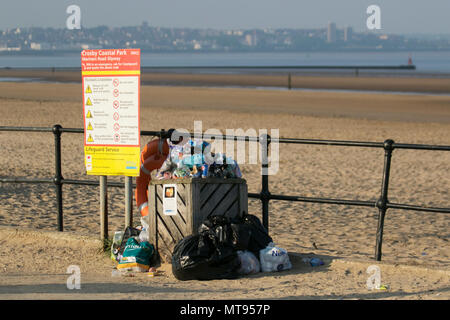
[
  {"x": 189, "y": 161},
  {"x": 132, "y": 251},
  {"x": 222, "y": 247},
  {"x": 227, "y": 248}
]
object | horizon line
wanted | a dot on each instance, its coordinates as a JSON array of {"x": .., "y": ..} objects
[{"x": 381, "y": 31}]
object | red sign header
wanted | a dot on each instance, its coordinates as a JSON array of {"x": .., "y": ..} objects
[{"x": 110, "y": 60}]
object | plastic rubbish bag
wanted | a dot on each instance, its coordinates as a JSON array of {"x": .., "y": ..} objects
[
  {"x": 273, "y": 258},
  {"x": 207, "y": 255},
  {"x": 117, "y": 240},
  {"x": 250, "y": 234},
  {"x": 249, "y": 263},
  {"x": 143, "y": 236},
  {"x": 144, "y": 222},
  {"x": 136, "y": 256},
  {"x": 167, "y": 168},
  {"x": 129, "y": 233},
  {"x": 195, "y": 258}
]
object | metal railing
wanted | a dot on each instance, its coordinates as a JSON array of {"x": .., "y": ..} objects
[{"x": 382, "y": 204}]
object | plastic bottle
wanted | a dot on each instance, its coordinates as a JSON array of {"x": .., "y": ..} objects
[
  {"x": 205, "y": 169},
  {"x": 117, "y": 239},
  {"x": 314, "y": 262},
  {"x": 118, "y": 235}
]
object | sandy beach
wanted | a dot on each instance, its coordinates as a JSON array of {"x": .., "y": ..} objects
[{"x": 416, "y": 252}]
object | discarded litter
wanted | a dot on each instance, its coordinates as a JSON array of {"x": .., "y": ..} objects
[
  {"x": 224, "y": 248},
  {"x": 136, "y": 256},
  {"x": 313, "y": 262},
  {"x": 131, "y": 251},
  {"x": 273, "y": 258},
  {"x": 115, "y": 273},
  {"x": 249, "y": 263},
  {"x": 153, "y": 272},
  {"x": 207, "y": 255},
  {"x": 143, "y": 235},
  {"x": 117, "y": 240},
  {"x": 194, "y": 160}
]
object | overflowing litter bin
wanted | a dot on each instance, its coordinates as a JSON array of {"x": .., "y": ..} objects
[
  {"x": 194, "y": 217},
  {"x": 177, "y": 207}
]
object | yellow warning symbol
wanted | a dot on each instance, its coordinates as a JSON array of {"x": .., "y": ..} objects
[
  {"x": 90, "y": 139},
  {"x": 88, "y": 89},
  {"x": 89, "y": 127},
  {"x": 89, "y": 114},
  {"x": 89, "y": 102}
]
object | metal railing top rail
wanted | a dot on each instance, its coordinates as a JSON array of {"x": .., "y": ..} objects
[
  {"x": 344, "y": 143},
  {"x": 331, "y": 67}
]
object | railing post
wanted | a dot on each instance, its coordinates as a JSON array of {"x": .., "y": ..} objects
[
  {"x": 289, "y": 81},
  {"x": 383, "y": 200},
  {"x": 58, "y": 179},
  {"x": 264, "y": 140},
  {"x": 128, "y": 201},
  {"x": 103, "y": 208}
]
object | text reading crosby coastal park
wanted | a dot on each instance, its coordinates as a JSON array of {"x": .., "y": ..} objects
[{"x": 109, "y": 55}]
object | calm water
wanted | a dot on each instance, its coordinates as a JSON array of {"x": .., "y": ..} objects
[{"x": 426, "y": 62}]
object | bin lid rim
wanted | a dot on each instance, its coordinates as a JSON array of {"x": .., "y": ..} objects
[{"x": 198, "y": 180}]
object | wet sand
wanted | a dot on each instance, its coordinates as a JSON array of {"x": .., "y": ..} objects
[{"x": 331, "y": 81}]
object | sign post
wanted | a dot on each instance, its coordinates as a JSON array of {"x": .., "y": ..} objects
[{"x": 111, "y": 107}]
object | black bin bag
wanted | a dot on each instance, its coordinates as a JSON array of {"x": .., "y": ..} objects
[
  {"x": 212, "y": 253},
  {"x": 250, "y": 234},
  {"x": 196, "y": 257}
]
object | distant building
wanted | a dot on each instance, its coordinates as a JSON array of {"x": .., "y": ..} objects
[
  {"x": 35, "y": 46},
  {"x": 331, "y": 33},
  {"x": 348, "y": 34},
  {"x": 250, "y": 39},
  {"x": 197, "y": 45}
]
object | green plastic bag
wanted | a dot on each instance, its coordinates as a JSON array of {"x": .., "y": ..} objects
[{"x": 136, "y": 256}]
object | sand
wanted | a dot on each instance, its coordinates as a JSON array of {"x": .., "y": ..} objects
[
  {"x": 342, "y": 236},
  {"x": 28, "y": 273}
]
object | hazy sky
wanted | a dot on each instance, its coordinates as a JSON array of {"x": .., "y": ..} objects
[{"x": 397, "y": 16}]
